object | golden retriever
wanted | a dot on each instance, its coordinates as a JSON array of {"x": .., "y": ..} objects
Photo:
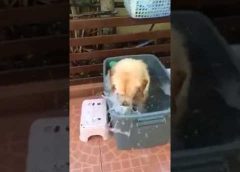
[{"x": 130, "y": 80}]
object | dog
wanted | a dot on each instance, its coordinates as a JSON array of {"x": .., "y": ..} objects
[{"x": 130, "y": 80}]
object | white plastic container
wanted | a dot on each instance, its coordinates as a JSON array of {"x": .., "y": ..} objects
[{"x": 148, "y": 8}]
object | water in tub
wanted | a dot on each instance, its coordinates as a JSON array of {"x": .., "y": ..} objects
[{"x": 159, "y": 95}]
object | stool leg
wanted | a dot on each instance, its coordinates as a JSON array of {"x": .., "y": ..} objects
[
  {"x": 105, "y": 135},
  {"x": 83, "y": 137}
]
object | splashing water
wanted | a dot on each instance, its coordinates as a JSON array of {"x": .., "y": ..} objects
[
  {"x": 159, "y": 98},
  {"x": 119, "y": 131},
  {"x": 115, "y": 107}
]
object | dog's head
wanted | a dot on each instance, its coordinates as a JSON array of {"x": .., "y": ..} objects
[{"x": 128, "y": 88}]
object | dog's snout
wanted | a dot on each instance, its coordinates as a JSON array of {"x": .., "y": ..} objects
[{"x": 125, "y": 103}]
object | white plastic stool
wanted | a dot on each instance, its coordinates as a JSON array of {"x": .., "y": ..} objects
[{"x": 94, "y": 119}]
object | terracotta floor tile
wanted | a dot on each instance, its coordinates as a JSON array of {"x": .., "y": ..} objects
[
  {"x": 104, "y": 149},
  {"x": 144, "y": 160},
  {"x": 79, "y": 165},
  {"x": 146, "y": 168},
  {"x": 127, "y": 170},
  {"x": 162, "y": 158},
  {"x": 103, "y": 156},
  {"x": 138, "y": 169},
  {"x": 165, "y": 167},
  {"x": 92, "y": 160},
  {"x": 116, "y": 166},
  {"x": 124, "y": 156},
  {"x": 95, "y": 150},
  {"x": 106, "y": 167},
  {"x": 155, "y": 167},
  {"x": 136, "y": 162},
  {"x": 112, "y": 144},
  {"x": 89, "y": 169},
  {"x": 83, "y": 157},
  {"x": 108, "y": 157},
  {"x": 87, "y": 148},
  {"x": 126, "y": 164},
  {"x": 97, "y": 168},
  {"x": 153, "y": 158}
]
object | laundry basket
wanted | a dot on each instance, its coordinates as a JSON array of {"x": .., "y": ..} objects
[
  {"x": 152, "y": 127},
  {"x": 147, "y": 8}
]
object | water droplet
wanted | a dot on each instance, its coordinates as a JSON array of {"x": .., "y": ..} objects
[
  {"x": 138, "y": 144},
  {"x": 146, "y": 135}
]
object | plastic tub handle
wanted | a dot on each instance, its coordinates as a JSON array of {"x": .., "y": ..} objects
[{"x": 141, "y": 123}]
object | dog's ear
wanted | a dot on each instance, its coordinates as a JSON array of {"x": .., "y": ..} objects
[
  {"x": 110, "y": 72},
  {"x": 140, "y": 90},
  {"x": 113, "y": 88},
  {"x": 144, "y": 84}
]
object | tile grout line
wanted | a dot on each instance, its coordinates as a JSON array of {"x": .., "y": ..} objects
[{"x": 100, "y": 154}]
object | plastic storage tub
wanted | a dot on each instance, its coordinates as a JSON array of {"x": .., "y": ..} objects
[
  {"x": 150, "y": 128},
  {"x": 147, "y": 8}
]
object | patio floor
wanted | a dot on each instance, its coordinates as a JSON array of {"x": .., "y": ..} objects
[{"x": 103, "y": 156}]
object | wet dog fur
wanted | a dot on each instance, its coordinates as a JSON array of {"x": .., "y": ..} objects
[{"x": 130, "y": 80}]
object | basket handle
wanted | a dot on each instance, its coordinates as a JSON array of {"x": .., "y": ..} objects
[{"x": 146, "y": 121}]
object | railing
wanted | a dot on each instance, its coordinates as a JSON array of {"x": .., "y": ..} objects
[{"x": 160, "y": 46}]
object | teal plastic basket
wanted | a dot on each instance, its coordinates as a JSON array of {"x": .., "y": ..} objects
[{"x": 148, "y": 8}]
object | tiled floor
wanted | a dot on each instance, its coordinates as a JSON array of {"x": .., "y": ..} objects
[{"x": 103, "y": 156}]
